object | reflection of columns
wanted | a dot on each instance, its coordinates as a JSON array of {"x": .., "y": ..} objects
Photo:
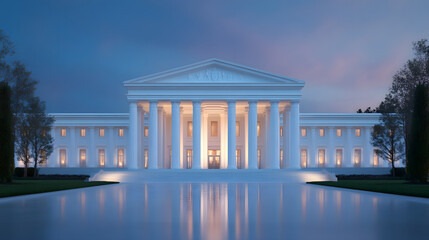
[
  {"x": 331, "y": 159},
  {"x": 132, "y": 157},
  {"x": 223, "y": 140},
  {"x": 286, "y": 160},
  {"x": 253, "y": 137},
  {"x": 294, "y": 136},
  {"x": 175, "y": 134},
  {"x": 153, "y": 135},
  {"x": 196, "y": 139},
  {"x": 232, "y": 163},
  {"x": 274, "y": 161},
  {"x": 93, "y": 161}
]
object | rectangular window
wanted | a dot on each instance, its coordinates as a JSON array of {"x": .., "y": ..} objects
[
  {"x": 101, "y": 157},
  {"x": 101, "y": 132},
  {"x": 121, "y": 132},
  {"x": 338, "y": 157},
  {"x": 375, "y": 158},
  {"x": 259, "y": 158},
  {"x": 339, "y": 132},
  {"x": 237, "y": 129},
  {"x": 82, "y": 157},
  {"x": 214, "y": 128},
  {"x": 303, "y": 132},
  {"x": 281, "y": 156},
  {"x": 258, "y": 128},
  {"x": 188, "y": 162},
  {"x": 281, "y": 131},
  {"x": 357, "y": 132},
  {"x": 238, "y": 158},
  {"x": 146, "y": 131},
  {"x": 321, "y": 132},
  {"x": 304, "y": 158},
  {"x": 146, "y": 158},
  {"x": 82, "y": 132},
  {"x": 321, "y": 157},
  {"x": 357, "y": 157},
  {"x": 121, "y": 157},
  {"x": 63, "y": 132},
  {"x": 190, "y": 129},
  {"x": 62, "y": 157}
]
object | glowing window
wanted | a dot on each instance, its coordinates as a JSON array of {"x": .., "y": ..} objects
[
  {"x": 62, "y": 157},
  {"x": 121, "y": 132},
  {"x": 82, "y": 157},
  {"x": 339, "y": 157},
  {"x": 190, "y": 128},
  {"x": 238, "y": 158},
  {"x": 375, "y": 158},
  {"x": 101, "y": 157},
  {"x": 339, "y": 132},
  {"x": 259, "y": 158},
  {"x": 214, "y": 128},
  {"x": 357, "y": 157},
  {"x": 303, "y": 132},
  {"x": 82, "y": 132},
  {"x": 188, "y": 162},
  {"x": 146, "y": 131},
  {"x": 304, "y": 158},
  {"x": 121, "y": 158},
  {"x": 258, "y": 128},
  {"x": 63, "y": 132},
  {"x": 357, "y": 132},
  {"x": 281, "y": 156},
  {"x": 146, "y": 158},
  {"x": 281, "y": 131},
  {"x": 321, "y": 157},
  {"x": 237, "y": 129},
  {"x": 321, "y": 132},
  {"x": 101, "y": 132}
]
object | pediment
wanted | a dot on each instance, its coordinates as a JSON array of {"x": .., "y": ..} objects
[{"x": 213, "y": 72}]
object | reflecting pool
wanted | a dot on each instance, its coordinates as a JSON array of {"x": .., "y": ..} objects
[{"x": 213, "y": 211}]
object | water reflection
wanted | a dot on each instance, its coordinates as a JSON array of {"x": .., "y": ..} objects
[{"x": 215, "y": 211}]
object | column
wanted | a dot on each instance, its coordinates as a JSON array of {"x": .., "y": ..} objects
[
  {"x": 111, "y": 155},
  {"x": 331, "y": 159},
  {"x": 348, "y": 151},
  {"x": 196, "y": 135},
  {"x": 274, "y": 161},
  {"x": 92, "y": 158},
  {"x": 161, "y": 160},
  {"x": 72, "y": 160},
  {"x": 204, "y": 139},
  {"x": 53, "y": 160},
  {"x": 264, "y": 161},
  {"x": 253, "y": 137},
  {"x": 245, "y": 163},
  {"x": 153, "y": 135},
  {"x": 294, "y": 135},
  {"x": 367, "y": 148},
  {"x": 140, "y": 130},
  {"x": 132, "y": 156},
  {"x": 175, "y": 134},
  {"x": 232, "y": 160},
  {"x": 181, "y": 136},
  {"x": 312, "y": 158},
  {"x": 286, "y": 130},
  {"x": 223, "y": 139}
]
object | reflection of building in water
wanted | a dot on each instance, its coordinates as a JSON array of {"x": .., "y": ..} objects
[
  {"x": 186, "y": 211},
  {"x": 214, "y": 211}
]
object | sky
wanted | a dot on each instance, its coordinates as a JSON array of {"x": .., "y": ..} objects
[{"x": 81, "y": 51}]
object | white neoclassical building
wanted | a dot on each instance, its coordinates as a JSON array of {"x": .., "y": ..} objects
[{"x": 214, "y": 115}]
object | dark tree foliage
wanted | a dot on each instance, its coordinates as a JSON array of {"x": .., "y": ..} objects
[
  {"x": 7, "y": 164},
  {"x": 418, "y": 150},
  {"x": 368, "y": 110}
]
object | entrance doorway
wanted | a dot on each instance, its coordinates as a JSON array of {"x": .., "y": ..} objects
[{"x": 214, "y": 159}]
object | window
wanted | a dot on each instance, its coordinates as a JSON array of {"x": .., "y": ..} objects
[
  {"x": 281, "y": 131},
  {"x": 121, "y": 158},
  {"x": 101, "y": 157},
  {"x": 146, "y": 131},
  {"x": 338, "y": 157},
  {"x": 281, "y": 156},
  {"x": 238, "y": 158},
  {"x": 62, "y": 157},
  {"x": 304, "y": 157},
  {"x": 339, "y": 132},
  {"x": 259, "y": 158},
  {"x": 357, "y": 157},
  {"x": 375, "y": 158},
  {"x": 357, "y": 132},
  {"x": 121, "y": 132},
  {"x": 63, "y": 132},
  {"x": 214, "y": 128},
  {"x": 258, "y": 128},
  {"x": 101, "y": 132},
  {"x": 190, "y": 128},
  {"x": 303, "y": 132},
  {"x": 146, "y": 158},
  {"x": 237, "y": 129},
  {"x": 321, "y": 132},
  {"x": 82, "y": 132},
  {"x": 188, "y": 162},
  {"x": 82, "y": 157},
  {"x": 321, "y": 157}
]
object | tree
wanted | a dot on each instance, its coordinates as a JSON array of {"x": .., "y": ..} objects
[
  {"x": 6, "y": 134},
  {"x": 40, "y": 138},
  {"x": 368, "y": 110},
  {"x": 418, "y": 151},
  {"x": 387, "y": 138},
  {"x": 22, "y": 143}
]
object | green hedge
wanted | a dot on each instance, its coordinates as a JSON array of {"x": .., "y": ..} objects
[{"x": 19, "y": 172}]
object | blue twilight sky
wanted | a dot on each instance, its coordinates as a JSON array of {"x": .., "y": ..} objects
[{"x": 81, "y": 51}]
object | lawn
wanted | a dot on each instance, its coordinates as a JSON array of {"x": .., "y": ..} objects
[
  {"x": 24, "y": 187},
  {"x": 399, "y": 187}
]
